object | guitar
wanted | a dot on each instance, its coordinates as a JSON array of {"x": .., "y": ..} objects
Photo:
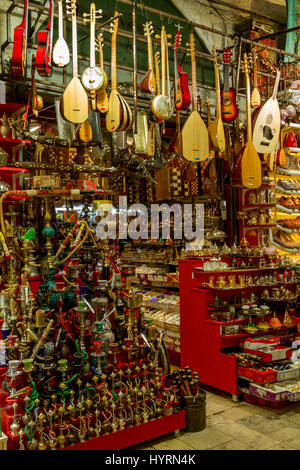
[
  {"x": 148, "y": 84},
  {"x": 267, "y": 123},
  {"x": 43, "y": 58},
  {"x": 75, "y": 105},
  {"x": 101, "y": 95},
  {"x": 182, "y": 93},
  {"x": 229, "y": 110},
  {"x": 92, "y": 77},
  {"x": 195, "y": 141},
  {"x": 61, "y": 54},
  {"x": 255, "y": 96},
  {"x": 19, "y": 53},
  {"x": 216, "y": 128},
  {"x": 119, "y": 116},
  {"x": 161, "y": 106},
  {"x": 247, "y": 168}
]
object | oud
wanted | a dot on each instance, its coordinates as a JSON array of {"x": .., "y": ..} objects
[{"x": 75, "y": 105}]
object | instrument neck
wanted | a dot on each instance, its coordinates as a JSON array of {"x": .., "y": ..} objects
[
  {"x": 60, "y": 19},
  {"x": 163, "y": 65},
  {"x": 226, "y": 78},
  {"x": 194, "y": 82},
  {"x": 150, "y": 53},
  {"x": 248, "y": 106},
  {"x": 25, "y": 17},
  {"x": 218, "y": 98},
  {"x": 74, "y": 46},
  {"x": 92, "y": 44},
  {"x": 276, "y": 84},
  {"x": 157, "y": 75},
  {"x": 114, "y": 56}
]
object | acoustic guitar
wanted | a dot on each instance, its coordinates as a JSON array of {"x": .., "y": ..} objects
[
  {"x": 101, "y": 95},
  {"x": 195, "y": 141},
  {"x": 119, "y": 115},
  {"x": 255, "y": 95},
  {"x": 216, "y": 129},
  {"x": 75, "y": 105},
  {"x": 61, "y": 53},
  {"x": 43, "y": 58},
  {"x": 92, "y": 77},
  {"x": 148, "y": 84},
  {"x": 19, "y": 53},
  {"x": 229, "y": 110},
  {"x": 182, "y": 97},
  {"x": 162, "y": 107},
  {"x": 267, "y": 122},
  {"x": 247, "y": 168}
]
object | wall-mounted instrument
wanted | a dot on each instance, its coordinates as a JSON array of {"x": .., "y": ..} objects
[
  {"x": 119, "y": 116},
  {"x": 229, "y": 110},
  {"x": 101, "y": 95},
  {"x": 75, "y": 105},
  {"x": 267, "y": 122},
  {"x": 148, "y": 84},
  {"x": 162, "y": 106},
  {"x": 92, "y": 77},
  {"x": 43, "y": 58},
  {"x": 19, "y": 53},
  {"x": 216, "y": 129},
  {"x": 195, "y": 141},
  {"x": 248, "y": 165},
  {"x": 255, "y": 95},
  {"x": 182, "y": 97},
  {"x": 61, "y": 53}
]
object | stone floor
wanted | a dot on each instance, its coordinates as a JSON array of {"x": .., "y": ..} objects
[{"x": 237, "y": 426}]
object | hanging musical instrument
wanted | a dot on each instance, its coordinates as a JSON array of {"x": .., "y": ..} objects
[
  {"x": 255, "y": 95},
  {"x": 92, "y": 77},
  {"x": 75, "y": 105},
  {"x": 229, "y": 110},
  {"x": 216, "y": 128},
  {"x": 182, "y": 97},
  {"x": 248, "y": 161},
  {"x": 148, "y": 84},
  {"x": 101, "y": 95},
  {"x": 119, "y": 115},
  {"x": 195, "y": 141},
  {"x": 36, "y": 100},
  {"x": 162, "y": 106},
  {"x": 267, "y": 122},
  {"x": 61, "y": 53},
  {"x": 281, "y": 157},
  {"x": 19, "y": 53},
  {"x": 43, "y": 58}
]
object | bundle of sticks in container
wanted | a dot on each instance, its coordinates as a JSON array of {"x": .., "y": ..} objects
[{"x": 186, "y": 381}]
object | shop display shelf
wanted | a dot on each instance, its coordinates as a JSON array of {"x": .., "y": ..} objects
[
  {"x": 225, "y": 323},
  {"x": 292, "y": 150},
  {"x": 8, "y": 170},
  {"x": 9, "y": 143},
  {"x": 220, "y": 307},
  {"x": 252, "y": 206},
  {"x": 10, "y": 108},
  {"x": 246, "y": 226},
  {"x": 290, "y": 373},
  {"x": 275, "y": 394}
]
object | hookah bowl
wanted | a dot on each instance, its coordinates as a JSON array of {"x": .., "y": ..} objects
[{"x": 97, "y": 354}]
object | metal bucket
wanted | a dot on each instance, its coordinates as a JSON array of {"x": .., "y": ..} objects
[{"x": 195, "y": 416}]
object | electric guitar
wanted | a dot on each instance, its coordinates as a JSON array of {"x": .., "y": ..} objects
[
  {"x": 162, "y": 107},
  {"x": 119, "y": 116},
  {"x": 43, "y": 58},
  {"x": 19, "y": 53},
  {"x": 247, "y": 168},
  {"x": 195, "y": 141},
  {"x": 182, "y": 92},
  {"x": 61, "y": 54},
  {"x": 267, "y": 122},
  {"x": 92, "y": 77},
  {"x": 75, "y": 104},
  {"x": 148, "y": 84},
  {"x": 229, "y": 110},
  {"x": 216, "y": 128}
]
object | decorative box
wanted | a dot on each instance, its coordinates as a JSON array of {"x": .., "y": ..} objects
[
  {"x": 270, "y": 392},
  {"x": 271, "y": 353},
  {"x": 259, "y": 376},
  {"x": 258, "y": 343}
]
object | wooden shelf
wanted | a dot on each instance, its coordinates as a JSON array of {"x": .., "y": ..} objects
[
  {"x": 10, "y": 108},
  {"x": 8, "y": 170}
]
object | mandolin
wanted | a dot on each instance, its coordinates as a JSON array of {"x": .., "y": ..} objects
[
  {"x": 255, "y": 95},
  {"x": 195, "y": 140},
  {"x": 119, "y": 115},
  {"x": 19, "y": 53},
  {"x": 216, "y": 128},
  {"x": 162, "y": 107},
  {"x": 61, "y": 53},
  {"x": 248, "y": 165},
  {"x": 101, "y": 95},
  {"x": 148, "y": 84},
  {"x": 92, "y": 77},
  {"x": 229, "y": 110},
  {"x": 182, "y": 97},
  {"x": 43, "y": 58},
  {"x": 267, "y": 123},
  {"x": 75, "y": 105}
]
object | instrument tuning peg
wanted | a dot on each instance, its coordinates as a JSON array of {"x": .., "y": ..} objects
[
  {"x": 169, "y": 36},
  {"x": 157, "y": 36},
  {"x": 99, "y": 11}
]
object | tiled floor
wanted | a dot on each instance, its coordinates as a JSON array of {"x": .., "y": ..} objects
[{"x": 237, "y": 426}]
